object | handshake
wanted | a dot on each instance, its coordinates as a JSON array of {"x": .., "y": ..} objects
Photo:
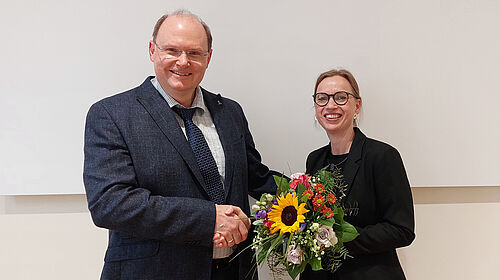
[{"x": 231, "y": 226}]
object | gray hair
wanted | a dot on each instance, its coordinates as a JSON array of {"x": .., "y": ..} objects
[{"x": 187, "y": 13}]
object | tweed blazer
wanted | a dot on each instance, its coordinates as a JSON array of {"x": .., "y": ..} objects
[{"x": 143, "y": 184}]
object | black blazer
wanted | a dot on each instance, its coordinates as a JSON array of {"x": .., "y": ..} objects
[
  {"x": 143, "y": 184},
  {"x": 379, "y": 204}
]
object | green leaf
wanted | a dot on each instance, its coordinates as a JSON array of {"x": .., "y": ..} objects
[
  {"x": 300, "y": 190},
  {"x": 327, "y": 222},
  {"x": 315, "y": 264},
  {"x": 338, "y": 214},
  {"x": 282, "y": 184},
  {"x": 349, "y": 232},
  {"x": 326, "y": 178},
  {"x": 295, "y": 270},
  {"x": 273, "y": 245},
  {"x": 261, "y": 257}
]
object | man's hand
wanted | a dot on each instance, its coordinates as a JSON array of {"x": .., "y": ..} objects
[{"x": 231, "y": 226}]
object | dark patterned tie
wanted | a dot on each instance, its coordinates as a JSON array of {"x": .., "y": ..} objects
[{"x": 204, "y": 158}]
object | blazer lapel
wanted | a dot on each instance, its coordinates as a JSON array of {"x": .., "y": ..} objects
[
  {"x": 225, "y": 128},
  {"x": 352, "y": 164},
  {"x": 164, "y": 117},
  {"x": 317, "y": 162}
]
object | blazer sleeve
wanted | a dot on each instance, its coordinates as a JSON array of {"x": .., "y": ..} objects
[
  {"x": 395, "y": 207},
  {"x": 117, "y": 202}
]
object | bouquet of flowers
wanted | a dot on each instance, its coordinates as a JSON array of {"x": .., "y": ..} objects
[{"x": 303, "y": 224}]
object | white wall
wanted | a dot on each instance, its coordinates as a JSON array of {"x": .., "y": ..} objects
[
  {"x": 427, "y": 71},
  {"x": 49, "y": 237},
  {"x": 52, "y": 237}
]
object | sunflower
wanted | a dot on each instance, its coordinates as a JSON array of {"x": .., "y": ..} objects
[{"x": 287, "y": 214}]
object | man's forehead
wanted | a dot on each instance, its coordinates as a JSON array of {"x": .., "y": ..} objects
[
  {"x": 181, "y": 22},
  {"x": 185, "y": 28}
]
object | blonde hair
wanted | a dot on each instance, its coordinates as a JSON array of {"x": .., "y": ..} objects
[{"x": 342, "y": 73}]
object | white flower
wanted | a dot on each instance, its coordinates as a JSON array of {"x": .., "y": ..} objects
[
  {"x": 296, "y": 175},
  {"x": 326, "y": 236},
  {"x": 314, "y": 226},
  {"x": 294, "y": 254},
  {"x": 269, "y": 197},
  {"x": 255, "y": 207}
]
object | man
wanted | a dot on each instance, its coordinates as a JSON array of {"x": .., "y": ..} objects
[{"x": 169, "y": 181}]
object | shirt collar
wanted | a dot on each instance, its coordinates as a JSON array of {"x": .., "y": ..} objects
[{"x": 198, "y": 101}]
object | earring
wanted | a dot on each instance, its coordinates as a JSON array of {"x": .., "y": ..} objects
[{"x": 355, "y": 116}]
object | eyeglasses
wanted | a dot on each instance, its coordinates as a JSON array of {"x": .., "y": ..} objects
[
  {"x": 340, "y": 98},
  {"x": 173, "y": 53}
]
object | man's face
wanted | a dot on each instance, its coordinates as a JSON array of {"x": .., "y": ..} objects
[{"x": 180, "y": 76}]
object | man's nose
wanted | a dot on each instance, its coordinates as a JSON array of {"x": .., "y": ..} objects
[{"x": 183, "y": 59}]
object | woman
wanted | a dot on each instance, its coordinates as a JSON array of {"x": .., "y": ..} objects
[{"x": 378, "y": 199}]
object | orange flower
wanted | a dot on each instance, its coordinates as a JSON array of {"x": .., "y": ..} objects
[
  {"x": 320, "y": 188},
  {"x": 318, "y": 200},
  {"x": 331, "y": 198},
  {"x": 327, "y": 212},
  {"x": 308, "y": 193}
]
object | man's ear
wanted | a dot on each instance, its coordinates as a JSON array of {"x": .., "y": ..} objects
[
  {"x": 209, "y": 57},
  {"x": 151, "y": 50}
]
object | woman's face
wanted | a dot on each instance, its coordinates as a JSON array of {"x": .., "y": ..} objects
[{"x": 336, "y": 119}]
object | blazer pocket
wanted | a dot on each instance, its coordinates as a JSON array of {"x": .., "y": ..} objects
[{"x": 132, "y": 251}]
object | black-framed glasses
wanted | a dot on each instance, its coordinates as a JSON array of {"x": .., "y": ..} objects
[
  {"x": 173, "y": 53},
  {"x": 340, "y": 98}
]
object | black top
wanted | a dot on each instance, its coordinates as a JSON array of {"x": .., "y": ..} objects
[
  {"x": 380, "y": 205},
  {"x": 335, "y": 161}
]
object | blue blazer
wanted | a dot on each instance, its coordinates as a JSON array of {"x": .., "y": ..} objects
[{"x": 143, "y": 184}]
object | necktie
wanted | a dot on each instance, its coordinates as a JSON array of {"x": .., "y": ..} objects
[{"x": 204, "y": 158}]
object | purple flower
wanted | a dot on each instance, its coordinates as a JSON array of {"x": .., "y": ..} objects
[
  {"x": 326, "y": 236},
  {"x": 302, "y": 226},
  {"x": 294, "y": 254},
  {"x": 275, "y": 201},
  {"x": 261, "y": 214}
]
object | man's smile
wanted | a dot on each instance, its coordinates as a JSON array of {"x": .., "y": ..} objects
[{"x": 180, "y": 74}]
